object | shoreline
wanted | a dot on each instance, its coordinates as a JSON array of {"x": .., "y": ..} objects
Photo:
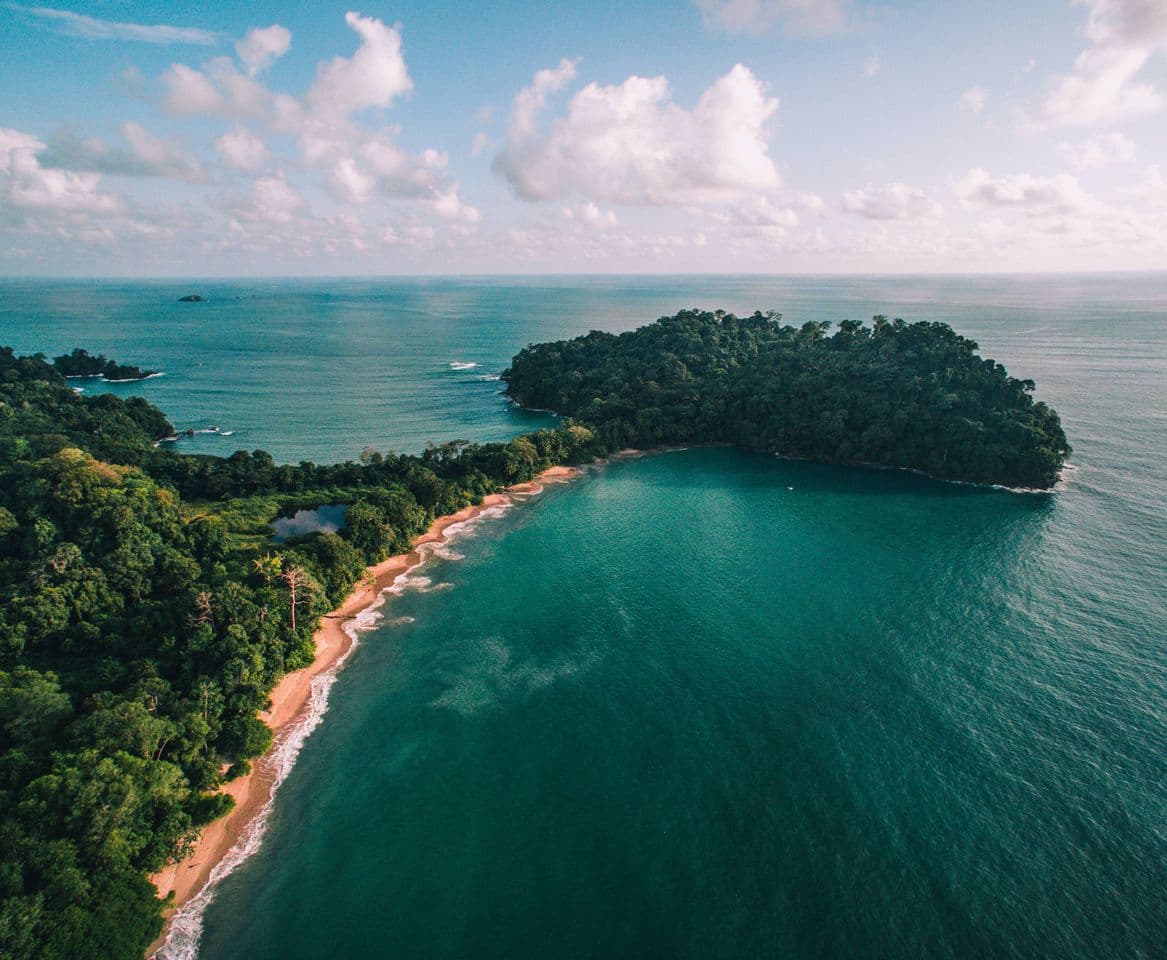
[{"x": 292, "y": 700}]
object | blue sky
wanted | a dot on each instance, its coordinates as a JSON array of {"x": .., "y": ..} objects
[{"x": 164, "y": 139}]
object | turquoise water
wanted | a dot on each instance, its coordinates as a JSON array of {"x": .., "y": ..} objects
[{"x": 677, "y": 708}]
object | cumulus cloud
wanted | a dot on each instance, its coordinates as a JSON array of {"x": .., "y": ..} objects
[
  {"x": 263, "y": 47},
  {"x": 374, "y": 76},
  {"x": 1123, "y": 36},
  {"x": 144, "y": 155},
  {"x": 270, "y": 200},
  {"x": 1029, "y": 213},
  {"x": 155, "y": 158},
  {"x": 30, "y": 186},
  {"x": 631, "y": 143},
  {"x": 1099, "y": 151},
  {"x": 973, "y": 99},
  {"x": 531, "y": 100},
  {"x": 449, "y": 206},
  {"x": 591, "y": 215},
  {"x": 12, "y": 141},
  {"x": 91, "y": 28},
  {"x": 358, "y": 170},
  {"x": 242, "y": 149},
  {"x": 220, "y": 89},
  {"x": 357, "y": 164},
  {"x": 894, "y": 201},
  {"x": 761, "y": 211},
  {"x": 979, "y": 188},
  {"x": 190, "y": 91},
  {"x": 794, "y": 16}
]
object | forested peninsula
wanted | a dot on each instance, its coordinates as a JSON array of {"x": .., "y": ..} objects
[
  {"x": 146, "y": 614},
  {"x": 81, "y": 363},
  {"x": 893, "y": 394},
  {"x": 146, "y": 611}
]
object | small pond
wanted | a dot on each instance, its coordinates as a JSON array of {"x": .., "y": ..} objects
[{"x": 324, "y": 519}]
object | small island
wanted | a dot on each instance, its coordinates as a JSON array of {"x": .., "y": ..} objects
[
  {"x": 913, "y": 396},
  {"x": 192, "y": 298},
  {"x": 81, "y": 363}
]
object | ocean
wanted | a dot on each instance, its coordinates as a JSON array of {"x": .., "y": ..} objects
[{"x": 705, "y": 703}]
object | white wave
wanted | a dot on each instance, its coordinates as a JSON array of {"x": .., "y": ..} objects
[
  {"x": 490, "y": 376},
  {"x": 186, "y": 927},
  {"x": 78, "y": 389},
  {"x": 462, "y": 365},
  {"x": 149, "y": 376},
  {"x": 226, "y": 433},
  {"x": 444, "y": 551}
]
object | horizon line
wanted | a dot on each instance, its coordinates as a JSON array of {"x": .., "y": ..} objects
[{"x": 188, "y": 278}]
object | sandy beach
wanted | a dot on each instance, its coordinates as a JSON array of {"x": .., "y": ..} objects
[{"x": 291, "y": 697}]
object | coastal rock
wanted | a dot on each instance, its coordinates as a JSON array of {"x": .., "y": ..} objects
[{"x": 192, "y": 298}]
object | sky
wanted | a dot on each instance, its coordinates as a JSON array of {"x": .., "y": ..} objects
[{"x": 155, "y": 138}]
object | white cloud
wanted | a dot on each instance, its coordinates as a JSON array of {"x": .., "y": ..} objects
[
  {"x": 974, "y": 98},
  {"x": 189, "y": 91},
  {"x": 1099, "y": 151},
  {"x": 449, "y": 206},
  {"x": 872, "y": 67},
  {"x": 13, "y": 140},
  {"x": 146, "y": 156},
  {"x": 91, "y": 28},
  {"x": 33, "y": 187},
  {"x": 978, "y": 188},
  {"x": 531, "y": 100},
  {"x": 374, "y": 76},
  {"x": 480, "y": 144},
  {"x": 761, "y": 211},
  {"x": 351, "y": 182},
  {"x": 591, "y": 215},
  {"x": 631, "y": 143},
  {"x": 795, "y": 16},
  {"x": 357, "y": 165},
  {"x": 242, "y": 149},
  {"x": 220, "y": 90},
  {"x": 1124, "y": 35},
  {"x": 271, "y": 200},
  {"x": 1028, "y": 66},
  {"x": 263, "y": 47},
  {"x": 894, "y": 201}
]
